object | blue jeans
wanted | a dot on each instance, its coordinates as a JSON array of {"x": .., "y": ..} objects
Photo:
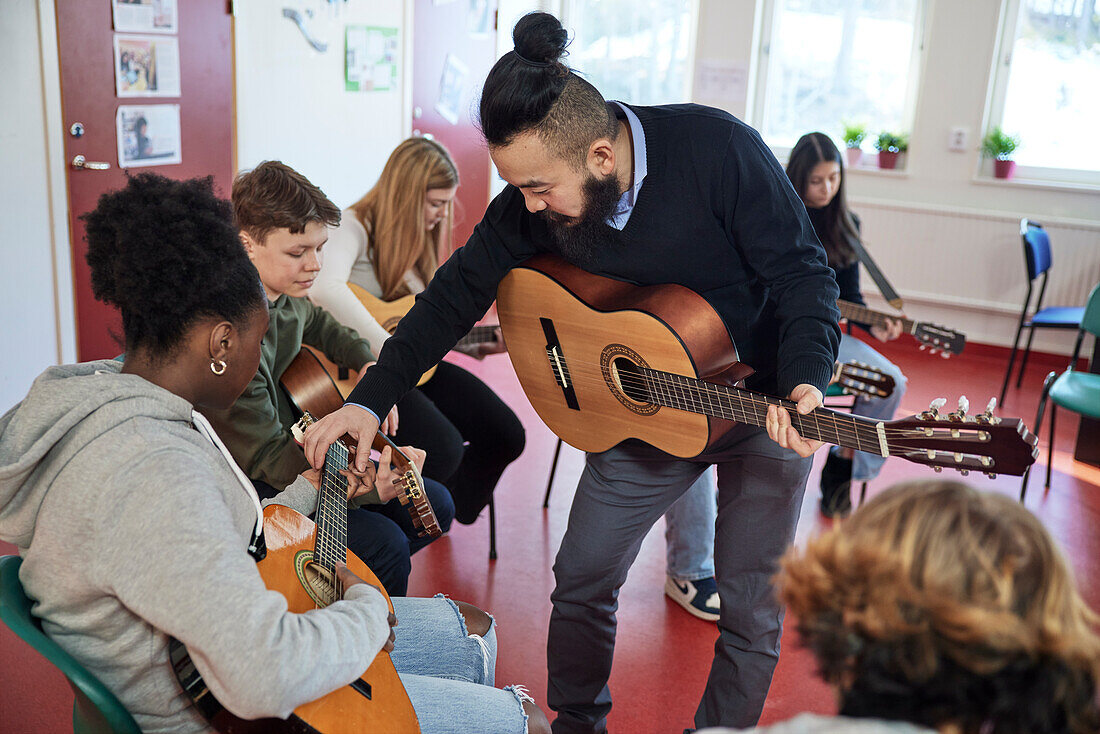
[
  {"x": 689, "y": 531},
  {"x": 449, "y": 674},
  {"x": 865, "y": 466},
  {"x": 621, "y": 494}
]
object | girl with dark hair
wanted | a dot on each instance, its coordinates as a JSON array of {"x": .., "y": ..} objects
[
  {"x": 387, "y": 243},
  {"x": 133, "y": 519},
  {"x": 938, "y": 608},
  {"x": 673, "y": 194},
  {"x": 816, "y": 170}
]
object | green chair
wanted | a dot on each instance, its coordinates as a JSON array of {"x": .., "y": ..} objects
[
  {"x": 95, "y": 710},
  {"x": 1072, "y": 390}
]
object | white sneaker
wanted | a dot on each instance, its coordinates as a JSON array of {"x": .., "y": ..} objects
[{"x": 699, "y": 598}]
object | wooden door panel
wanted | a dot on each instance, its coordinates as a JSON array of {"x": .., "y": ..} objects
[
  {"x": 85, "y": 42},
  {"x": 439, "y": 30}
]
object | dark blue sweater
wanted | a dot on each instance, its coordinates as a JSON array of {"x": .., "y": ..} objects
[{"x": 716, "y": 214}]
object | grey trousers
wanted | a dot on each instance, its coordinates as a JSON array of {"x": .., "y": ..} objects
[{"x": 620, "y": 495}]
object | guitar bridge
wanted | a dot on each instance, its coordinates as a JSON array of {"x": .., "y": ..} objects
[{"x": 558, "y": 365}]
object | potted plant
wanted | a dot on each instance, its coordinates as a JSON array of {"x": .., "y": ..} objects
[
  {"x": 853, "y": 138},
  {"x": 1000, "y": 146},
  {"x": 890, "y": 146}
]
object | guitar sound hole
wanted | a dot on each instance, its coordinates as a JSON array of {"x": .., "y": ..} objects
[
  {"x": 322, "y": 582},
  {"x": 629, "y": 378}
]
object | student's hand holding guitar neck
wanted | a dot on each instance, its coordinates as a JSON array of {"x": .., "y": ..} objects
[{"x": 887, "y": 333}]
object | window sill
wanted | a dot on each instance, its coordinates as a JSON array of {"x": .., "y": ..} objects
[
  {"x": 876, "y": 171},
  {"x": 1030, "y": 183}
]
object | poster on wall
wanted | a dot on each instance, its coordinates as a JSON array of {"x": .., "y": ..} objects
[
  {"x": 477, "y": 19},
  {"x": 145, "y": 16},
  {"x": 148, "y": 135},
  {"x": 451, "y": 84},
  {"x": 370, "y": 58},
  {"x": 147, "y": 66}
]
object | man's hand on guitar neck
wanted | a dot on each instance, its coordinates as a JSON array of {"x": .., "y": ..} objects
[
  {"x": 778, "y": 421},
  {"x": 357, "y": 422}
]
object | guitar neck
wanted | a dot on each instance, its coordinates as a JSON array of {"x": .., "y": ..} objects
[
  {"x": 864, "y": 315},
  {"x": 478, "y": 335},
  {"x": 331, "y": 545},
  {"x": 746, "y": 406}
]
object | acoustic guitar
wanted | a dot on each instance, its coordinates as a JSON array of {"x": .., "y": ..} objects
[
  {"x": 931, "y": 336},
  {"x": 603, "y": 361},
  {"x": 312, "y": 390},
  {"x": 389, "y": 313},
  {"x": 300, "y": 563}
]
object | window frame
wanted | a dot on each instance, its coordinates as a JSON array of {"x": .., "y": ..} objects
[
  {"x": 756, "y": 102},
  {"x": 993, "y": 115},
  {"x": 569, "y": 12}
]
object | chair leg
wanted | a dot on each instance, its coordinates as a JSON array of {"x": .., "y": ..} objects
[
  {"x": 862, "y": 493},
  {"x": 1011, "y": 359},
  {"x": 492, "y": 529},
  {"x": 1038, "y": 427},
  {"x": 1023, "y": 359},
  {"x": 1050, "y": 448},
  {"x": 553, "y": 471}
]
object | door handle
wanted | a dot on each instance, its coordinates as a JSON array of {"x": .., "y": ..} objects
[{"x": 79, "y": 161}]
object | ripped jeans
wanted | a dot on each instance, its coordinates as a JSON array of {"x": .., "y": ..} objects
[{"x": 450, "y": 675}]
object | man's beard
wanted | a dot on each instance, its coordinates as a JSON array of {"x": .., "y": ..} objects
[{"x": 578, "y": 238}]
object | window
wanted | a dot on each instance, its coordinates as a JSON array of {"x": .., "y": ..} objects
[
  {"x": 827, "y": 62},
  {"x": 1045, "y": 88},
  {"x": 637, "y": 51}
]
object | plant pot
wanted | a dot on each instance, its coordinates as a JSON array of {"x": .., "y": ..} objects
[
  {"x": 887, "y": 159},
  {"x": 854, "y": 154},
  {"x": 1004, "y": 169}
]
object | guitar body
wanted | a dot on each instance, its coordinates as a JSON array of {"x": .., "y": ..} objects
[
  {"x": 289, "y": 535},
  {"x": 599, "y": 325},
  {"x": 377, "y": 701},
  {"x": 388, "y": 313}
]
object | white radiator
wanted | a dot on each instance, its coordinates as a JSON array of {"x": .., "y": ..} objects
[{"x": 965, "y": 268}]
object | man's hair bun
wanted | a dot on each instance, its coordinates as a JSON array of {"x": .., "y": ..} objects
[{"x": 540, "y": 38}]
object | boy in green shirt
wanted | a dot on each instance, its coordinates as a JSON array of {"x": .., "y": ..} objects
[{"x": 283, "y": 221}]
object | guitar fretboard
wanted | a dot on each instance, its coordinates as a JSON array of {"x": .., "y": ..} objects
[
  {"x": 331, "y": 545},
  {"x": 478, "y": 335},
  {"x": 864, "y": 315},
  {"x": 745, "y": 406}
]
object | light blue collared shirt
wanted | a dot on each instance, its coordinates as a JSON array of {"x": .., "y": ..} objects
[{"x": 623, "y": 209}]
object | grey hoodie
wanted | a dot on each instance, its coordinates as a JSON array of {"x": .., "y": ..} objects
[{"x": 133, "y": 527}]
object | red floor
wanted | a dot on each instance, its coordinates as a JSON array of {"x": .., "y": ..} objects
[{"x": 663, "y": 655}]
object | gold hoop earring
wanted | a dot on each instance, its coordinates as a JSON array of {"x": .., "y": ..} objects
[{"x": 217, "y": 366}]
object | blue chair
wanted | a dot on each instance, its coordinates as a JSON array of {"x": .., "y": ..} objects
[
  {"x": 1037, "y": 258},
  {"x": 95, "y": 710},
  {"x": 1073, "y": 390}
]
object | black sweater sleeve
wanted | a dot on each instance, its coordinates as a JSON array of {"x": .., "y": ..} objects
[
  {"x": 772, "y": 229},
  {"x": 460, "y": 293}
]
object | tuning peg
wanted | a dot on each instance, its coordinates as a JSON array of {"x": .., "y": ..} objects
[
  {"x": 964, "y": 472},
  {"x": 933, "y": 412},
  {"x": 987, "y": 416},
  {"x": 991, "y": 475},
  {"x": 945, "y": 355},
  {"x": 960, "y": 414},
  {"x": 923, "y": 347},
  {"x": 937, "y": 469}
]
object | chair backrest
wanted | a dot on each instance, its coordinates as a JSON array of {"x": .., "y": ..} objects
[
  {"x": 95, "y": 710},
  {"x": 1090, "y": 322},
  {"x": 1036, "y": 248}
]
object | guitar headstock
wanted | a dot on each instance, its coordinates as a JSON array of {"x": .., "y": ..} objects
[
  {"x": 858, "y": 378},
  {"x": 982, "y": 443},
  {"x": 298, "y": 430},
  {"x": 939, "y": 339},
  {"x": 410, "y": 488}
]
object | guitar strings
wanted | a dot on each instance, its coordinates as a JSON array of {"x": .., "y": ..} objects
[{"x": 693, "y": 393}]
